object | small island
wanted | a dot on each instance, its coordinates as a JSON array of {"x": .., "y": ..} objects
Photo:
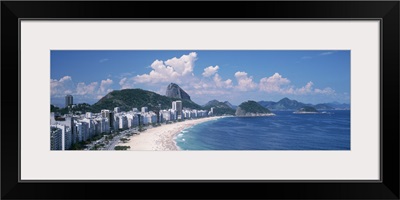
[
  {"x": 306, "y": 110},
  {"x": 252, "y": 109}
]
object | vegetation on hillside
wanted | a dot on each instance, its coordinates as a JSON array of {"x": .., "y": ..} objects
[
  {"x": 137, "y": 98},
  {"x": 288, "y": 104},
  {"x": 253, "y": 107},
  {"x": 307, "y": 109},
  {"x": 76, "y": 109},
  {"x": 220, "y": 108}
]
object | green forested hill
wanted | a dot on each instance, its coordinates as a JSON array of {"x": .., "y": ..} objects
[
  {"x": 220, "y": 108},
  {"x": 252, "y": 107},
  {"x": 137, "y": 98}
]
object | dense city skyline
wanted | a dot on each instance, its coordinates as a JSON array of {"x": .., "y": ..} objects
[
  {"x": 83, "y": 131},
  {"x": 236, "y": 76}
]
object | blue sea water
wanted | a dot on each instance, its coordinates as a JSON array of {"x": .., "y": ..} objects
[{"x": 284, "y": 131}]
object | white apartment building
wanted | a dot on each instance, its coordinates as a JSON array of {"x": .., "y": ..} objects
[
  {"x": 177, "y": 105},
  {"x": 123, "y": 122},
  {"x": 106, "y": 125},
  {"x": 145, "y": 109},
  {"x": 187, "y": 114},
  {"x": 67, "y": 121},
  {"x": 97, "y": 127},
  {"x": 133, "y": 120},
  {"x": 55, "y": 138},
  {"x": 105, "y": 113},
  {"x": 103, "y": 125},
  {"x": 145, "y": 119},
  {"x": 165, "y": 115},
  {"x": 91, "y": 126},
  {"x": 66, "y": 137},
  {"x": 81, "y": 131},
  {"x": 174, "y": 114},
  {"x": 88, "y": 115},
  {"x": 116, "y": 122},
  {"x": 151, "y": 117}
]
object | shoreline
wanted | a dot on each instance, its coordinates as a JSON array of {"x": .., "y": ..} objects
[
  {"x": 306, "y": 112},
  {"x": 162, "y": 138},
  {"x": 257, "y": 115}
]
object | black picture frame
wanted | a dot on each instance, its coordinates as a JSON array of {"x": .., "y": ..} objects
[{"x": 386, "y": 11}]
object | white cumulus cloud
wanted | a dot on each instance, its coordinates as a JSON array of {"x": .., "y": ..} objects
[
  {"x": 65, "y": 85},
  {"x": 105, "y": 86},
  {"x": 61, "y": 87},
  {"x": 278, "y": 84},
  {"x": 327, "y": 91},
  {"x": 123, "y": 81},
  {"x": 307, "y": 89},
  {"x": 221, "y": 83},
  {"x": 83, "y": 89},
  {"x": 273, "y": 83},
  {"x": 245, "y": 83},
  {"x": 127, "y": 83},
  {"x": 172, "y": 70},
  {"x": 209, "y": 71}
]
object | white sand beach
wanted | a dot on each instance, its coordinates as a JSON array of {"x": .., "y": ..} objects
[{"x": 162, "y": 137}]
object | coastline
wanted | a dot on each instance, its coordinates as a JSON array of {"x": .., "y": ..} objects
[
  {"x": 306, "y": 112},
  {"x": 257, "y": 115},
  {"x": 162, "y": 138}
]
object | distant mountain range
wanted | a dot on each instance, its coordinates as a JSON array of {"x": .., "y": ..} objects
[
  {"x": 230, "y": 105},
  {"x": 136, "y": 98},
  {"x": 288, "y": 104},
  {"x": 220, "y": 108},
  {"x": 339, "y": 106}
]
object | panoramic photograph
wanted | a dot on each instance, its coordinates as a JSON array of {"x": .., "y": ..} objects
[{"x": 172, "y": 100}]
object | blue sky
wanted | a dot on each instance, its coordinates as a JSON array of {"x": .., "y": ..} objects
[{"x": 235, "y": 75}]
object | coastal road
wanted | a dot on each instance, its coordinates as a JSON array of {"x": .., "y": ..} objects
[
  {"x": 114, "y": 142},
  {"x": 89, "y": 146},
  {"x": 117, "y": 138}
]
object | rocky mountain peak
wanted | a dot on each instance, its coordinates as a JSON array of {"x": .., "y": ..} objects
[{"x": 174, "y": 91}]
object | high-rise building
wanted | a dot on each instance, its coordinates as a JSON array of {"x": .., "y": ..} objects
[
  {"x": 123, "y": 122},
  {"x": 60, "y": 141},
  {"x": 69, "y": 100},
  {"x": 103, "y": 125},
  {"x": 145, "y": 109},
  {"x": 66, "y": 121},
  {"x": 97, "y": 127},
  {"x": 105, "y": 113},
  {"x": 117, "y": 110},
  {"x": 79, "y": 136},
  {"x": 55, "y": 138},
  {"x": 111, "y": 121},
  {"x": 88, "y": 115},
  {"x": 177, "y": 105},
  {"x": 110, "y": 118},
  {"x": 91, "y": 126},
  {"x": 115, "y": 122}
]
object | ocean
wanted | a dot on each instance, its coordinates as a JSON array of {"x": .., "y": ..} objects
[{"x": 284, "y": 131}]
